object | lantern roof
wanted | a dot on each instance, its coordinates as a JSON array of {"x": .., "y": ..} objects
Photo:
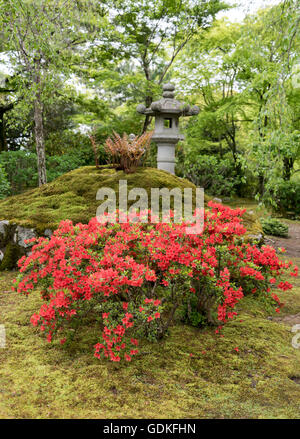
[{"x": 168, "y": 105}]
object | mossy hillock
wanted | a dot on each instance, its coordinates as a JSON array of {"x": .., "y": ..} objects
[{"x": 73, "y": 196}]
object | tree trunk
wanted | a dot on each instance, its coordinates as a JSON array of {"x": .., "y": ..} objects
[
  {"x": 148, "y": 102},
  {"x": 220, "y": 148},
  {"x": 231, "y": 142},
  {"x": 288, "y": 166},
  {"x": 261, "y": 184},
  {"x": 39, "y": 139},
  {"x": 3, "y": 140},
  {"x": 3, "y": 143}
]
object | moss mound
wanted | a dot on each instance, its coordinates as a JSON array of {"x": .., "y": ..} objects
[{"x": 73, "y": 196}]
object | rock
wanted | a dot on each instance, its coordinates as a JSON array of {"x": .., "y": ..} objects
[
  {"x": 48, "y": 233},
  {"x": 3, "y": 226},
  {"x": 22, "y": 234},
  {"x": 12, "y": 243},
  {"x": 258, "y": 237},
  {"x": 141, "y": 108},
  {"x": 4, "y": 229},
  {"x": 217, "y": 200}
]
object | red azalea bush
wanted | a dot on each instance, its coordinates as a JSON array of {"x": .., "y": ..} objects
[{"x": 136, "y": 276}]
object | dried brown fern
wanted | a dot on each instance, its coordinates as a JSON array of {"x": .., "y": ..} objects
[{"x": 126, "y": 153}]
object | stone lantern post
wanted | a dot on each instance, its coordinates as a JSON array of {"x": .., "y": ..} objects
[{"x": 167, "y": 112}]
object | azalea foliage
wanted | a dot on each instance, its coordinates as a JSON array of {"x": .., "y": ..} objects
[{"x": 134, "y": 276}]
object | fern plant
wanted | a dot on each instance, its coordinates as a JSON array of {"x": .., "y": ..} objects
[{"x": 126, "y": 152}]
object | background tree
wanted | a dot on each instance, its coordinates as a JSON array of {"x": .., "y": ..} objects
[
  {"x": 6, "y": 105},
  {"x": 216, "y": 85},
  {"x": 244, "y": 86},
  {"x": 272, "y": 41},
  {"x": 40, "y": 35},
  {"x": 148, "y": 36}
]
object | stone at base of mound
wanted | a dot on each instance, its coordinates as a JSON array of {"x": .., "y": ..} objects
[{"x": 13, "y": 243}]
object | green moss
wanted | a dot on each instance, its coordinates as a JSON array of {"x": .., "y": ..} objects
[
  {"x": 42, "y": 380},
  {"x": 11, "y": 256},
  {"x": 73, "y": 196}
]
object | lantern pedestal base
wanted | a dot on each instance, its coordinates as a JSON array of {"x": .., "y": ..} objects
[{"x": 166, "y": 157}]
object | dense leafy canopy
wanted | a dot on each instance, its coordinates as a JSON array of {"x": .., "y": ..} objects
[{"x": 80, "y": 68}]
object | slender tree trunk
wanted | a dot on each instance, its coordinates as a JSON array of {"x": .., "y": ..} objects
[
  {"x": 3, "y": 143},
  {"x": 39, "y": 139},
  {"x": 288, "y": 166},
  {"x": 3, "y": 140},
  {"x": 231, "y": 141},
  {"x": 148, "y": 102},
  {"x": 261, "y": 184},
  {"x": 220, "y": 148},
  {"x": 146, "y": 123}
]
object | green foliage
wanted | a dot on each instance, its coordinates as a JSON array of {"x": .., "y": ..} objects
[
  {"x": 245, "y": 140},
  {"x": 216, "y": 176},
  {"x": 4, "y": 183},
  {"x": 288, "y": 197},
  {"x": 124, "y": 119},
  {"x": 60, "y": 165},
  {"x": 20, "y": 166},
  {"x": 274, "y": 136},
  {"x": 190, "y": 314},
  {"x": 144, "y": 40},
  {"x": 247, "y": 89},
  {"x": 39, "y": 38},
  {"x": 274, "y": 227}
]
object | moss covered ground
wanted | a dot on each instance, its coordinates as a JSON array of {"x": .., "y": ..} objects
[
  {"x": 261, "y": 380},
  {"x": 41, "y": 380},
  {"x": 73, "y": 196}
]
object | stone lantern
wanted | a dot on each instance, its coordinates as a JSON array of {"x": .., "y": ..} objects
[{"x": 167, "y": 112}]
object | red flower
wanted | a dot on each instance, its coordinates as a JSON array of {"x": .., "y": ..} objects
[{"x": 122, "y": 261}]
